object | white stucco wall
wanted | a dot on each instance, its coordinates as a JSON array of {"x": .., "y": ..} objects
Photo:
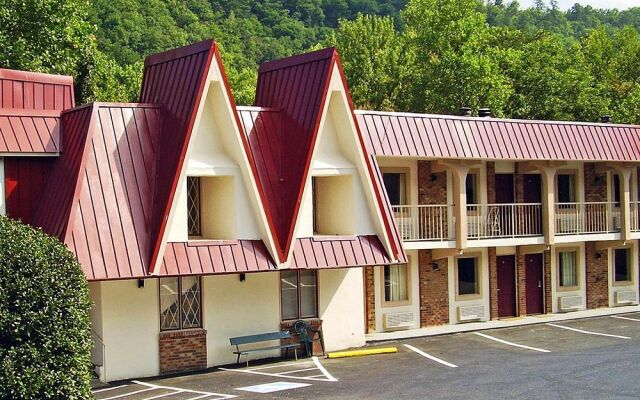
[
  {"x": 414, "y": 294},
  {"x": 581, "y": 290},
  {"x": 341, "y": 307},
  {"x": 130, "y": 328},
  {"x": 234, "y": 308},
  {"x": 2, "y": 193},
  {"x": 623, "y": 286},
  {"x": 481, "y": 299}
]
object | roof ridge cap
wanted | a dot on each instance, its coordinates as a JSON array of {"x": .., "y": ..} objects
[{"x": 297, "y": 59}]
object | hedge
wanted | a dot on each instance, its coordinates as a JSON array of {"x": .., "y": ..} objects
[{"x": 45, "y": 331}]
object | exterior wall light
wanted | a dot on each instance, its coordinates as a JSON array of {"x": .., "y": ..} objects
[{"x": 140, "y": 283}]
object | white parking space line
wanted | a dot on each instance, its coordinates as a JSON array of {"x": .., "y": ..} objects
[
  {"x": 589, "y": 332},
  {"x": 288, "y": 374},
  {"x": 625, "y": 318},
  {"x": 297, "y": 370},
  {"x": 129, "y": 394},
  {"x": 323, "y": 370},
  {"x": 176, "y": 390},
  {"x": 522, "y": 346},
  {"x": 430, "y": 357},
  {"x": 107, "y": 389}
]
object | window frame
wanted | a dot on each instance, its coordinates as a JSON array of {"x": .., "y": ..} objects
[
  {"x": 578, "y": 275},
  {"x": 403, "y": 186},
  {"x": 575, "y": 193},
  {"x": 478, "y": 273},
  {"x": 383, "y": 301},
  {"x": 630, "y": 257},
  {"x": 180, "y": 311},
  {"x": 197, "y": 235},
  {"x": 298, "y": 296}
]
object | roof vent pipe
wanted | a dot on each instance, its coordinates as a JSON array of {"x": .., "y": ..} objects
[
  {"x": 606, "y": 119},
  {"x": 484, "y": 113},
  {"x": 465, "y": 111}
]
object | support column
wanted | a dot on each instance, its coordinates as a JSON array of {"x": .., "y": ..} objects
[
  {"x": 548, "y": 204},
  {"x": 625, "y": 201}
]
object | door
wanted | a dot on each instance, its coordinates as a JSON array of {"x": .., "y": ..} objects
[
  {"x": 532, "y": 188},
  {"x": 534, "y": 283},
  {"x": 503, "y": 217},
  {"x": 506, "y": 286}
]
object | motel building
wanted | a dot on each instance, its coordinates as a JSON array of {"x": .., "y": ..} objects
[{"x": 196, "y": 220}]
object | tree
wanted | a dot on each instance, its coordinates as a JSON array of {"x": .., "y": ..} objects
[
  {"x": 376, "y": 60},
  {"x": 44, "y": 317}
]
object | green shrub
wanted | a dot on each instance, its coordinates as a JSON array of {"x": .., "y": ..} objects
[{"x": 45, "y": 332}]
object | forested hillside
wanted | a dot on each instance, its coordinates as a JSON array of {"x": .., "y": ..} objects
[{"x": 417, "y": 55}]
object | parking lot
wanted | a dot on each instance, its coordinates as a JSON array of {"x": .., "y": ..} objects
[{"x": 593, "y": 358}]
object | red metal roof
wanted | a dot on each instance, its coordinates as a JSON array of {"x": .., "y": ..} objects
[
  {"x": 25, "y": 179},
  {"x": 442, "y": 136},
  {"x": 216, "y": 257},
  {"x": 36, "y": 91},
  {"x": 338, "y": 252},
  {"x": 29, "y": 131},
  {"x": 174, "y": 80},
  {"x": 98, "y": 200}
]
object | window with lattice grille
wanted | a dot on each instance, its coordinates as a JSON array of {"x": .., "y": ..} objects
[
  {"x": 194, "y": 206},
  {"x": 180, "y": 303}
]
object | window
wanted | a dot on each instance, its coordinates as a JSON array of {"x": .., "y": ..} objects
[
  {"x": 566, "y": 188},
  {"x": 396, "y": 283},
  {"x": 193, "y": 206},
  {"x": 468, "y": 276},
  {"x": 471, "y": 184},
  {"x": 395, "y": 183},
  {"x": 568, "y": 268},
  {"x": 180, "y": 303},
  {"x": 298, "y": 294},
  {"x": 621, "y": 265}
]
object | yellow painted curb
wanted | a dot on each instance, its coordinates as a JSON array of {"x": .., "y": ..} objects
[{"x": 365, "y": 352}]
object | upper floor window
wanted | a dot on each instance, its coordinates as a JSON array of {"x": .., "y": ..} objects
[
  {"x": 298, "y": 294},
  {"x": 180, "y": 302},
  {"x": 568, "y": 268},
  {"x": 622, "y": 265},
  {"x": 395, "y": 183},
  {"x": 566, "y": 188},
  {"x": 194, "y": 206},
  {"x": 471, "y": 185}
]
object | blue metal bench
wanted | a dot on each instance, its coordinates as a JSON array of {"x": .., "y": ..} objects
[{"x": 263, "y": 337}]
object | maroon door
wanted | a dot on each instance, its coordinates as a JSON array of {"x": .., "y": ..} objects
[
  {"x": 504, "y": 189},
  {"x": 532, "y": 187},
  {"x": 506, "y": 286},
  {"x": 504, "y": 195},
  {"x": 534, "y": 283}
]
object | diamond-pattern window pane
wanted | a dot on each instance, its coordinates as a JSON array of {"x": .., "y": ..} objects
[
  {"x": 191, "y": 302},
  {"x": 169, "y": 304},
  {"x": 193, "y": 205}
]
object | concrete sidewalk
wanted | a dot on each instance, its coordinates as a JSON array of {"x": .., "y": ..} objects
[{"x": 503, "y": 323}]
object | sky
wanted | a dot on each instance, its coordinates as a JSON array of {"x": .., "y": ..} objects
[{"x": 566, "y": 4}]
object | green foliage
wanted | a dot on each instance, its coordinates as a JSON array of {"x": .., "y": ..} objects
[{"x": 45, "y": 334}]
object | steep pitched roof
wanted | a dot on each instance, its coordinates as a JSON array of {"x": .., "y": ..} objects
[
  {"x": 339, "y": 252},
  {"x": 35, "y": 91},
  {"x": 98, "y": 200},
  {"x": 291, "y": 94},
  {"x": 444, "y": 136},
  {"x": 24, "y": 132},
  {"x": 174, "y": 80}
]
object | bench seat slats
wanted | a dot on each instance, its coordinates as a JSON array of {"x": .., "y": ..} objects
[
  {"x": 284, "y": 346},
  {"x": 262, "y": 337}
]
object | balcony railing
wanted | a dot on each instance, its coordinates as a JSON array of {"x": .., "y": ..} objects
[
  {"x": 504, "y": 220},
  {"x": 425, "y": 222},
  {"x": 634, "y": 207},
  {"x": 590, "y": 217}
]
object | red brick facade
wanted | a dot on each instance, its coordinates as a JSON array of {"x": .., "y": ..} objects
[
  {"x": 432, "y": 188},
  {"x": 597, "y": 275},
  {"x": 521, "y": 281},
  {"x": 434, "y": 290},
  {"x": 370, "y": 298},
  {"x": 183, "y": 350},
  {"x": 493, "y": 282},
  {"x": 548, "y": 302},
  {"x": 594, "y": 191},
  {"x": 315, "y": 324}
]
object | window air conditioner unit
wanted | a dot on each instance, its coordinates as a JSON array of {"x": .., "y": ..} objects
[
  {"x": 470, "y": 313},
  {"x": 398, "y": 320},
  {"x": 625, "y": 297},
  {"x": 570, "y": 303}
]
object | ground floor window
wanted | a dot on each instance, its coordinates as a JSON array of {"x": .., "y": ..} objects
[
  {"x": 468, "y": 276},
  {"x": 568, "y": 268},
  {"x": 298, "y": 294},
  {"x": 180, "y": 303},
  {"x": 396, "y": 283},
  {"x": 622, "y": 265}
]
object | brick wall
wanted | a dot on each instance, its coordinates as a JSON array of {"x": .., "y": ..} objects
[
  {"x": 491, "y": 182},
  {"x": 370, "y": 296},
  {"x": 522, "y": 282},
  {"x": 519, "y": 185},
  {"x": 434, "y": 290},
  {"x": 547, "y": 282},
  {"x": 431, "y": 192},
  {"x": 288, "y": 326},
  {"x": 597, "y": 277},
  {"x": 493, "y": 283},
  {"x": 183, "y": 350},
  {"x": 594, "y": 191}
]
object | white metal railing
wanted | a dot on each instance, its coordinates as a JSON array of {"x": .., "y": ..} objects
[
  {"x": 425, "y": 222},
  {"x": 589, "y": 217},
  {"x": 635, "y": 216},
  {"x": 486, "y": 221}
]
